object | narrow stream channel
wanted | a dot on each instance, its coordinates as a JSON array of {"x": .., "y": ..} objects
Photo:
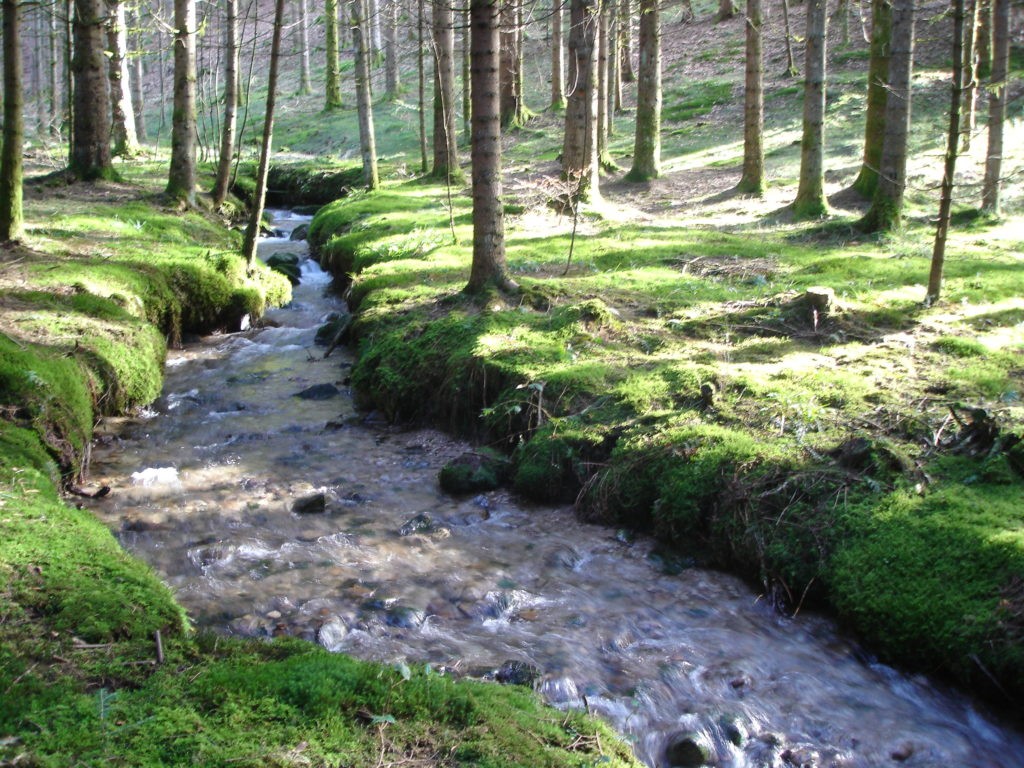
[{"x": 205, "y": 487}]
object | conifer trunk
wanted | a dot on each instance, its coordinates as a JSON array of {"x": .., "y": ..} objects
[
  {"x": 626, "y": 40},
  {"x": 878, "y": 77},
  {"x": 557, "y": 57},
  {"x": 392, "y": 82},
  {"x": 446, "y": 153},
  {"x": 991, "y": 189},
  {"x": 421, "y": 35},
  {"x": 647, "y": 141},
  {"x": 364, "y": 103},
  {"x": 231, "y": 88},
  {"x": 126, "y": 142},
  {"x": 791, "y": 69},
  {"x": 332, "y": 78},
  {"x": 12, "y": 220},
  {"x": 488, "y": 265},
  {"x": 138, "y": 98},
  {"x": 181, "y": 183},
  {"x": 886, "y": 209},
  {"x": 90, "y": 156},
  {"x": 305, "y": 78},
  {"x": 810, "y": 197},
  {"x": 949, "y": 166},
  {"x": 579, "y": 150},
  {"x": 752, "y": 180}
]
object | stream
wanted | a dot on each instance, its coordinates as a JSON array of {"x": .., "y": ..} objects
[{"x": 271, "y": 513}]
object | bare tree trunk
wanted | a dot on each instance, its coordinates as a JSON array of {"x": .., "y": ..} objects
[
  {"x": 446, "y": 153},
  {"x": 878, "y": 76},
  {"x": 791, "y": 69},
  {"x": 332, "y": 78},
  {"x": 949, "y": 166},
  {"x": 557, "y": 57},
  {"x": 53, "y": 82},
  {"x": 626, "y": 40},
  {"x": 509, "y": 63},
  {"x": 614, "y": 65},
  {"x": 12, "y": 222},
  {"x": 603, "y": 118},
  {"x": 392, "y": 84},
  {"x": 488, "y": 266},
  {"x": 126, "y": 142},
  {"x": 467, "y": 103},
  {"x": 726, "y": 10},
  {"x": 181, "y": 183},
  {"x": 374, "y": 45},
  {"x": 647, "y": 142},
  {"x": 305, "y": 78},
  {"x": 985, "y": 42},
  {"x": 991, "y": 189},
  {"x": 421, "y": 71},
  {"x": 752, "y": 181},
  {"x": 364, "y": 103},
  {"x": 90, "y": 136},
  {"x": 138, "y": 98},
  {"x": 886, "y": 209},
  {"x": 970, "y": 74},
  {"x": 231, "y": 89},
  {"x": 579, "y": 151},
  {"x": 810, "y": 197},
  {"x": 252, "y": 231}
]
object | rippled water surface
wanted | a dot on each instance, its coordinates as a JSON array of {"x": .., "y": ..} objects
[{"x": 206, "y": 483}]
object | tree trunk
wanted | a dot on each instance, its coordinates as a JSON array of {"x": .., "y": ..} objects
[
  {"x": 984, "y": 39},
  {"x": 53, "y": 83},
  {"x": 579, "y": 150},
  {"x": 126, "y": 143},
  {"x": 305, "y": 78},
  {"x": 364, "y": 103},
  {"x": 726, "y": 10},
  {"x": 647, "y": 142},
  {"x": 138, "y": 98},
  {"x": 252, "y": 231},
  {"x": 949, "y": 166},
  {"x": 181, "y": 183},
  {"x": 810, "y": 197},
  {"x": 392, "y": 84},
  {"x": 421, "y": 35},
  {"x": 886, "y": 208},
  {"x": 446, "y": 153},
  {"x": 90, "y": 135},
  {"x": 603, "y": 118},
  {"x": 791, "y": 69},
  {"x": 231, "y": 88},
  {"x": 332, "y": 79},
  {"x": 488, "y": 266},
  {"x": 557, "y": 57},
  {"x": 752, "y": 181},
  {"x": 614, "y": 65},
  {"x": 12, "y": 220},
  {"x": 372, "y": 12},
  {"x": 878, "y": 76},
  {"x": 626, "y": 40},
  {"x": 990, "y": 194},
  {"x": 970, "y": 74},
  {"x": 509, "y": 64},
  {"x": 467, "y": 104}
]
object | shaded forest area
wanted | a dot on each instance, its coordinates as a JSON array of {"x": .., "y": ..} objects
[{"x": 759, "y": 296}]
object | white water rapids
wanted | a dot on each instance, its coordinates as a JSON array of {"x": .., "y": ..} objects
[{"x": 204, "y": 486}]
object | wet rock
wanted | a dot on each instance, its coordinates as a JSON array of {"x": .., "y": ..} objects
[
  {"x": 403, "y": 617},
  {"x": 515, "y": 672},
  {"x": 140, "y": 526},
  {"x": 319, "y": 392},
  {"x": 331, "y": 634},
  {"x": 800, "y": 757},
  {"x": 423, "y": 524},
  {"x": 687, "y": 750},
  {"x": 903, "y": 752},
  {"x": 734, "y": 730},
  {"x": 301, "y": 232},
  {"x": 563, "y": 556},
  {"x": 288, "y": 265},
  {"x": 473, "y": 472},
  {"x": 335, "y": 325},
  {"x": 313, "y": 504}
]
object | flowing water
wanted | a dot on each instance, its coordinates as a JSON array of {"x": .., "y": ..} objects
[{"x": 205, "y": 487}]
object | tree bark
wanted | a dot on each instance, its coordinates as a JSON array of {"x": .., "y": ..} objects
[
  {"x": 446, "y": 153},
  {"x": 810, "y": 197},
  {"x": 181, "y": 183},
  {"x": 949, "y": 166},
  {"x": 791, "y": 69},
  {"x": 603, "y": 118},
  {"x": 579, "y": 150},
  {"x": 252, "y": 231},
  {"x": 231, "y": 89},
  {"x": 489, "y": 265},
  {"x": 392, "y": 83},
  {"x": 886, "y": 209},
  {"x": 985, "y": 42},
  {"x": 647, "y": 141},
  {"x": 752, "y": 181},
  {"x": 90, "y": 136},
  {"x": 970, "y": 74},
  {"x": 138, "y": 98},
  {"x": 332, "y": 78},
  {"x": 726, "y": 10},
  {"x": 510, "y": 64},
  {"x": 305, "y": 78},
  {"x": 878, "y": 76},
  {"x": 421, "y": 36},
  {"x": 12, "y": 222},
  {"x": 557, "y": 57},
  {"x": 991, "y": 188},
  {"x": 126, "y": 142},
  {"x": 364, "y": 103},
  {"x": 53, "y": 84},
  {"x": 626, "y": 41}
]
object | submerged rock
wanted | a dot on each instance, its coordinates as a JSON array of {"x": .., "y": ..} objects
[
  {"x": 688, "y": 750},
  {"x": 288, "y": 265},
  {"x": 319, "y": 392},
  {"x": 313, "y": 504},
  {"x": 423, "y": 524},
  {"x": 515, "y": 672}
]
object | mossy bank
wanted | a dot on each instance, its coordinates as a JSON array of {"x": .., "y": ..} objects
[
  {"x": 846, "y": 448},
  {"x": 106, "y": 279}
]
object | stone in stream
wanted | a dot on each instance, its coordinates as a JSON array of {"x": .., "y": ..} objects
[
  {"x": 288, "y": 265},
  {"x": 331, "y": 633},
  {"x": 334, "y": 324},
  {"x": 319, "y": 392},
  {"x": 688, "y": 750},
  {"x": 473, "y": 472},
  {"x": 301, "y": 232},
  {"x": 423, "y": 524},
  {"x": 515, "y": 672},
  {"x": 313, "y": 504}
]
